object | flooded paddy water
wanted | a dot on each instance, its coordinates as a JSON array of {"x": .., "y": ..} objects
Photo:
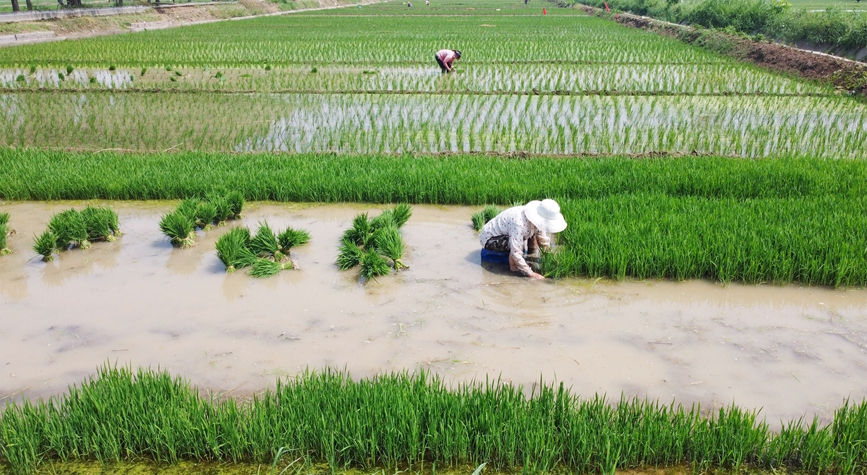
[{"x": 789, "y": 351}]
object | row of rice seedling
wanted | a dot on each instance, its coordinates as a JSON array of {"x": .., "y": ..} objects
[
  {"x": 4, "y": 234},
  {"x": 298, "y": 39},
  {"x": 459, "y": 179},
  {"x": 746, "y": 126},
  {"x": 180, "y": 225},
  {"x": 375, "y": 245},
  {"x": 266, "y": 253},
  {"x": 69, "y": 229},
  {"x": 403, "y": 421},
  {"x": 481, "y": 78}
]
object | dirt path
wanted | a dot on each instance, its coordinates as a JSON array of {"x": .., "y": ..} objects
[{"x": 168, "y": 16}]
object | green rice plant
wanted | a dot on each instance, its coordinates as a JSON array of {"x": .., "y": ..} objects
[
  {"x": 233, "y": 249},
  {"x": 4, "y": 233},
  {"x": 360, "y": 231},
  {"x": 349, "y": 254},
  {"x": 383, "y": 220},
  {"x": 267, "y": 268},
  {"x": 4, "y": 218},
  {"x": 373, "y": 265},
  {"x": 401, "y": 214},
  {"x": 70, "y": 230},
  {"x": 236, "y": 203},
  {"x": 389, "y": 243},
  {"x": 180, "y": 228},
  {"x": 101, "y": 223},
  {"x": 482, "y": 217},
  {"x": 45, "y": 245},
  {"x": 206, "y": 213},
  {"x": 291, "y": 238},
  {"x": 188, "y": 207},
  {"x": 264, "y": 243},
  {"x": 222, "y": 208}
]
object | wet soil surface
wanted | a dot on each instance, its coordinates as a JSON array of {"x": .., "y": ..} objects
[{"x": 789, "y": 351}]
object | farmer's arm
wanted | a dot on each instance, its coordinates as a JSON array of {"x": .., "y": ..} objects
[{"x": 516, "y": 252}]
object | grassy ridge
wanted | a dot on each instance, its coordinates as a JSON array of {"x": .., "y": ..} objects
[
  {"x": 403, "y": 420},
  {"x": 772, "y": 220}
]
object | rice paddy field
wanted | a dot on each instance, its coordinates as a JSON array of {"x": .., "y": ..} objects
[{"x": 706, "y": 307}]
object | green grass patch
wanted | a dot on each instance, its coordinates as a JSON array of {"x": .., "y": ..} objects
[{"x": 403, "y": 420}]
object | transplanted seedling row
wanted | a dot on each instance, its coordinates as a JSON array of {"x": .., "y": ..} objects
[
  {"x": 266, "y": 253},
  {"x": 180, "y": 225},
  {"x": 375, "y": 244},
  {"x": 69, "y": 229}
]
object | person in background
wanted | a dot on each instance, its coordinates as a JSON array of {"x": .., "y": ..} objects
[
  {"x": 519, "y": 227},
  {"x": 446, "y": 59}
]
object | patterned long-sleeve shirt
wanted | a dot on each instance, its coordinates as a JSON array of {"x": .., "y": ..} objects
[{"x": 514, "y": 223}]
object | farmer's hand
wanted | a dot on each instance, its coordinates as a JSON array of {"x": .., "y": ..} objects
[{"x": 536, "y": 276}]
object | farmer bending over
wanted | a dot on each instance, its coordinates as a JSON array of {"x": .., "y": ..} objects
[
  {"x": 446, "y": 59},
  {"x": 523, "y": 226}
]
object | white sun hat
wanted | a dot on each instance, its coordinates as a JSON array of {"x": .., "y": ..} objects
[{"x": 545, "y": 215}]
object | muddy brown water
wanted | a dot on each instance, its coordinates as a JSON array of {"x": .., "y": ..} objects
[{"x": 789, "y": 351}]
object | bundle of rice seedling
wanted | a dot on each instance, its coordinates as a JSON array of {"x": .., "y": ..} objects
[
  {"x": 265, "y": 244},
  {"x": 222, "y": 208},
  {"x": 45, "y": 245},
  {"x": 379, "y": 237},
  {"x": 205, "y": 215},
  {"x": 390, "y": 244},
  {"x": 236, "y": 203},
  {"x": 69, "y": 229},
  {"x": 189, "y": 207},
  {"x": 4, "y": 231},
  {"x": 266, "y": 267},
  {"x": 267, "y": 253},
  {"x": 373, "y": 265},
  {"x": 482, "y": 217},
  {"x": 180, "y": 228},
  {"x": 349, "y": 256},
  {"x": 360, "y": 231},
  {"x": 291, "y": 238},
  {"x": 101, "y": 224},
  {"x": 233, "y": 249}
]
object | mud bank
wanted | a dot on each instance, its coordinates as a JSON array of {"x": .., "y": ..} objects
[
  {"x": 788, "y": 350},
  {"x": 843, "y": 73}
]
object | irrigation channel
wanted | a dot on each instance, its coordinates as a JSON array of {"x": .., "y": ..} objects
[{"x": 790, "y": 351}]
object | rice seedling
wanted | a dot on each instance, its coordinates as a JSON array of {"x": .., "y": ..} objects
[
  {"x": 482, "y": 217},
  {"x": 373, "y": 265},
  {"x": 291, "y": 238},
  {"x": 4, "y": 233},
  {"x": 180, "y": 228},
  {"x": 206, "y": 213},
  {"x": 233, "y": 249},
  {"x": 189, "y": 208},
  {"x": 222, "y": 208},
  {"x": 378, "y": 237},
  {"x": 349, "y": 254},
  {"x": 267, "y": 268},
  {"x": 264, "y": 243},
  {"x": 45, "y": 245},
  {"x": 101, "y": 224},
  {"x": 70, "y": 230},
  {"x": 236, "y": 203},
  {"x": 397, "y": 420}
]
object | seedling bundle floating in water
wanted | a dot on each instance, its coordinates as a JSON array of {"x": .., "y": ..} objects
[
  {"x": 375, "y": 244},
  {"x": 266, "y": 252},
  {"x": 180, "y": 225},
  {"x": 4, "y": 231},
  {"x": 71, "y": 228}
]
